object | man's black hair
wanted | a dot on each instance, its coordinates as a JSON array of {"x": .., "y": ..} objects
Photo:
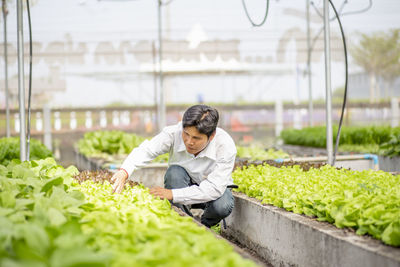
[{"x": 203, "y": 117}]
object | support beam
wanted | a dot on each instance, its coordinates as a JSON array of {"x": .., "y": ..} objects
[
  {"x": 21, "y": 84},
  {"x": 329, "y": 136},
  {"x": 161, "y": 110}
]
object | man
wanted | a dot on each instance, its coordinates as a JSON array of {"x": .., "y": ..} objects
[{"x": 201, "y": 159}]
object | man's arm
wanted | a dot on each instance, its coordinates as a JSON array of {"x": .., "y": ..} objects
[{"x": 141, "y": 155}]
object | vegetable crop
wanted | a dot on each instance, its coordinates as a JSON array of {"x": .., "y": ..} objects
[
  {"x": 367, "y": 201},
  {"x": 392, "y": 147},
  {"x": 108, "y": 144},
  {"x": 144, "y": 231},
  {"x": 9, "y": 150},
  {"x": 40, "y": 222},
  {"x": 100, "y": 143},
  {"x": 257, "y": 153},
  {"x": 49, "y": 219},
  {"x": 356, "y": 138}
]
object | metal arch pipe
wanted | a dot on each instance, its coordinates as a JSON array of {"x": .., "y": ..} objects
[
  {"x": 309, "y": 77},
  {"x": 21, "y": 85},
  {"x": 329, "y": 135},
  {"x": 5, "y": 11},
  {"x": 161, "y": 110}
]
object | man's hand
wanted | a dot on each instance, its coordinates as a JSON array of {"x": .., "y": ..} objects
[
  {"x": 119, "y": 179},
  {"x": 161, "y": 192}
]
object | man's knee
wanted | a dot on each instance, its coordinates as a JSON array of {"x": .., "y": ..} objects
[
  {"x": 223, "y": 206},
  {"x": 176, "y": 177},
  {"x": 223, "y": 209}
]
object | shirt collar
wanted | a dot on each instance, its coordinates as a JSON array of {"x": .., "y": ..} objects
[{"x": 209, "y": 151}]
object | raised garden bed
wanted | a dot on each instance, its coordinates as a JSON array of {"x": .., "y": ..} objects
[
  {"x": 358, "y": 201},
  {"x": 283, "y": 238}
]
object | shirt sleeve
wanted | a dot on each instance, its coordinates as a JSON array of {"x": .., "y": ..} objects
[
  {"x": 148, "y": 150},
  {"x": 211, "y": 188}
]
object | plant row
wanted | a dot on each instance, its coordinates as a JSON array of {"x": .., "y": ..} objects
[
  {"x": 257, "y": 153},
  {"x": 367, "y": 201},
  {"x": 112, "y": 144},
  {"x": 107, "y": 144},
  {"x": 48, "y": 218},
  {"x": 367, "y": 139},
  {"x": 10, "y": 149}
]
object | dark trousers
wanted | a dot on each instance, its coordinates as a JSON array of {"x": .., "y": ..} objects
[{"x": 214, "y": 211}]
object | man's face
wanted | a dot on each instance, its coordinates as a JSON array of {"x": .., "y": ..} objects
[{"x": 194, "y": 141}]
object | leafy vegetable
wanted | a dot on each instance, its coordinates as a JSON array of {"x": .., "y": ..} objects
[
  {"x": 9, "y": 150},
  {"x": 49, "y": 219},
  {"x": 391, "y": 148},
  {"x": 257, "y": 153},
  {"x": 40, "y": 217},
  {"x": 108, "y": 144},
  {"x": 139, "y": 229},
  {"x": 368, "y": 201},
  {"x": 359, "y": 139}
]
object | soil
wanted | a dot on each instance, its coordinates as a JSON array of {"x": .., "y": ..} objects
[
  {"x": 98, "y": 177},
  {"x": 305, "y": 166}
]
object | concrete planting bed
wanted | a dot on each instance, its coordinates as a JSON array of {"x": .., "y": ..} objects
[
  {"x": 389, "y": 164},
  {"x": 284, "y": 238}
]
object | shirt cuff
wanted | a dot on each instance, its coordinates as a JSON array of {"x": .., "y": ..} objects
[
  {"x": 128, "y": 169},
  {"x": 127, "y": 174},
  {"x": 178, "y": 195}
]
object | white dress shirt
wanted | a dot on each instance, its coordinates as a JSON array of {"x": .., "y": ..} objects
[{"x": 211, "y": 169}]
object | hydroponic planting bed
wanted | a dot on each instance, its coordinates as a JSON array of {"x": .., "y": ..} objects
[{"x": 359, "y": 203}]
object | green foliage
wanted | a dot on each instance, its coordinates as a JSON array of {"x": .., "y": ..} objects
[
  {"x": 9, "y": 150},
  {"x": 354, "y": 138},
  {"x": 257, "y": 153},
  {"x": 99, "y": 143},
  {"x": 392, "y": 147},
  {"x": 106, "y": 144},
  {"x": 139, "y": 229},
  {"x": 216, "y": 229},
  {"x": 310, "y": 136},
  {"x": 40, "y": 217},
  {"x": 48, "y": 219},
  {"x": 368, "y": 201}
]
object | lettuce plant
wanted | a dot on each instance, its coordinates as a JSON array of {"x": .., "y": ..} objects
[
  {"x": 257, "y": 153},
  {"x": 50, "y": 219},
  {"x": 367, "y": 201},
  {"x": 112, "y": 145},
  {"x": 9, "y": 150}
]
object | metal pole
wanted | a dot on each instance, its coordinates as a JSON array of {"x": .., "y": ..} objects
[
  {"x": 278, "y": 117},
  {"x": 394, "y": 103},
  {"x": 329, "y": 136},
  {"x": 47, "y": 127},
  {"x": 153, "y": 46},
  {"x": 21, "y": 86},
  {"x": 310, "y": 103},
  {"x": 5, "y": 11},
  {"x": 161, "y": 105}
]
